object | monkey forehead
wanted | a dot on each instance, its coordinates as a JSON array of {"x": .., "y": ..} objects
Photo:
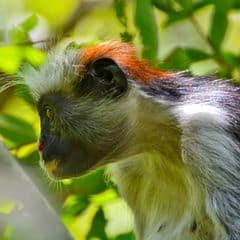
[
  {"x": 62, "y": 69},
  {"x": 58, "y": 73}
]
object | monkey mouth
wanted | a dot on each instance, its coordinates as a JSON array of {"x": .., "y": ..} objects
[
  {"x": 64, "y": 167},
  {"x": 67, "y": 159}
]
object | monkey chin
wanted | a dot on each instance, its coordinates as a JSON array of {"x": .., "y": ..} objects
[
  {"x": 51, "y": 168},
  {"x": 71, "y": 162},
  {"x": 58, "y": 169}
]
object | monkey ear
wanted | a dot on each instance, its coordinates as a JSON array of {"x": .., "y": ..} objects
[{"x": 108, "y": 78}]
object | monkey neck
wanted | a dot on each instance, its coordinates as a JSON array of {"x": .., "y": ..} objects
[
  {"x": 156, "y": 131},
  {"x": 159, "y": 193},
  {"x": 152, "y": 177}
]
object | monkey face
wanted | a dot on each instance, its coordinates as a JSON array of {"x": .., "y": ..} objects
[{"x": 83, "y": 121}]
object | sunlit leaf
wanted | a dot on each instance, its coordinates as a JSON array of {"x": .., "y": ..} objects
[
  {"x": 104, "y": 197},
  {"x": 34, "y": 56},
  {"x": 74, "y": 205},
  {"x": 30, "y": 159},
  {"x": 10, "y": 59},
  {"x": 56, "y": 12},
  {"x": 29, "y": 23},
  {"x": 20, "y": 33},
  {"x": 7, "y": 207},
  {"x": 8, "y": 233},
  {"x": 146, "y": 24},
  {"x": 17, "y": 130}
]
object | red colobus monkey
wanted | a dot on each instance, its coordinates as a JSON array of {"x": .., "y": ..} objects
[{"x": 171, "y": 141}]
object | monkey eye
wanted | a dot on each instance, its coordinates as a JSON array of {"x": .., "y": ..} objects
[
  {"x": 49, "y": 113},
  {"x": 104, "y": 76}
]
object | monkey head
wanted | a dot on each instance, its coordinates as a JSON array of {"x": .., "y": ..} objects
[
  {"x": 83, "y": 99},
  {"x": 80, "y": 99}
]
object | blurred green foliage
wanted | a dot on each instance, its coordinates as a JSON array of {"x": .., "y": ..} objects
[{"x": 199, "y": 35}]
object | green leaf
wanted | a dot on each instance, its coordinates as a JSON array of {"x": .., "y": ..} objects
[
  {"x": 72, "y": 45},
  {"x": 104, "y": 197},
  {"x": 16, "y": 130},
  {"x": 98, "y": 226},
  {"x": 23, "y": 92},
  {"x": 178, "y": 16},
  {"x": 164, "y": 5},
  {"x": 236, "y": 4},
  {"x": 17, "y": 35},
  {"x": 201, "y": 3},
  {"x": 120, "y": 9},
  {"x": 7, "y": 207},
  {"x": 232, "y": 59},
  {"x": 146, "y": 24},
  {"x": 196, "y": 54},
  {"x": 10, "y": 59},
  {"x": 74, "y": 205},
  {"x": 185, "y": 4},
  {"x": 126, "y": 236},
  {"x": 30, "y": 159},
  {"x": 219, "y": 22},
  {"x": 181, "y": 58},
  {"x": 87, "y": 183},
  {"x": 34, "y": 56},
  {"x": 20, "y": 33},
  {"x": 29, "y": 23},
  {"x": 186, "y": 12},
  {"x": 126, "y": 36}
]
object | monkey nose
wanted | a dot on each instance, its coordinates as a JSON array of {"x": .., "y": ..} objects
[{"x": 40, "y": 146}]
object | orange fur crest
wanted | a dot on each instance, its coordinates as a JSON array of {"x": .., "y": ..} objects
[{"x": 125, "y": 56}]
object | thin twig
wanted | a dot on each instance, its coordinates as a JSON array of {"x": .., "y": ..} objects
[
  {"x": 217, "y": 55},
  {"x": 201, "y": 33}
]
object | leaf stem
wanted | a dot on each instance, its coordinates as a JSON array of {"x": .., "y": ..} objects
[{"x": 216, "y": 54}]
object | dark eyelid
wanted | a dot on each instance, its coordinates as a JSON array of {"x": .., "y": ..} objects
[
  {"x": 46, "y": 106},
  {"x": 44, "y": 112}
]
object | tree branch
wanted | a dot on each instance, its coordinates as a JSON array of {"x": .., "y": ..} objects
[{"x": 36, "y": 217}]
